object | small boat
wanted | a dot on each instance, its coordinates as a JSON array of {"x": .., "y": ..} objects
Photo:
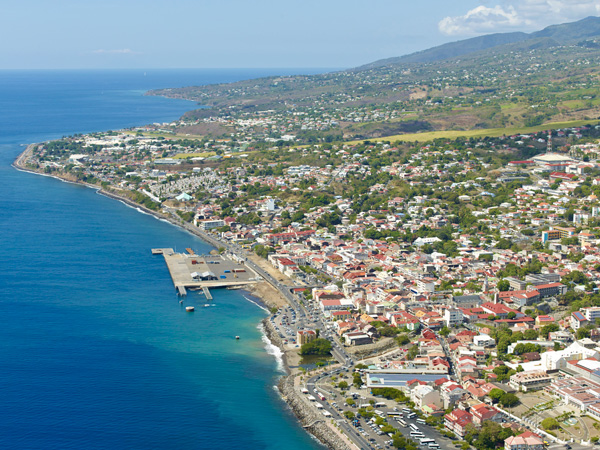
[
  {"x": 237, "y": 337},
  {"x": 189, "y": 308},
  {"x": 207, "y": 305}
]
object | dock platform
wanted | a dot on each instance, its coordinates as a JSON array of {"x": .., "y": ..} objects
[
  {"x": 181, "y": 291},
  {"x": 189, "y": 271},
  {"x": 207, "y": 293}
]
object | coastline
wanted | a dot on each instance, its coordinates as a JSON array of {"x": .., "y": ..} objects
[{"x": 268, "y": 294}]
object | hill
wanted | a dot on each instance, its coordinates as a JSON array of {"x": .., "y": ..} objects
[
  {"x": 562, "y": 34},
  {"x": 507, "y": 80}
]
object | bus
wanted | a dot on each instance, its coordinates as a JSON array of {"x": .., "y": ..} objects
[
  {"x": 434, "y": 445},
  {"x": 402, "y": 422},
  {"x": 412, "y": 415},
  {"x": 406, "y": 410},
  {"x": 426, "y": 441},
  {"x": 421, "y": 421},
  {"x": 416, "y": 434},
  {"x": 380, "y": 405},
  {"x": 414, "y": 427},
  {"x": 394, "y": 414},
  {"x": 321, "y": 396}
]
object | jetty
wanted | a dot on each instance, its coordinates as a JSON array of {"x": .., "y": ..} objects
[
  {"x": 207, "y": 293},
  {"x": 192, "y": 271}
]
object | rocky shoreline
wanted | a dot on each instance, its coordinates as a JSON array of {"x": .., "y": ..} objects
[{"x": 309, "y": 419}]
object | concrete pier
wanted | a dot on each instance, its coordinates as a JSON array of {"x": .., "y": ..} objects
[
  {"x": 189, "y": 271},
  {"x": 207, "y": 293}
]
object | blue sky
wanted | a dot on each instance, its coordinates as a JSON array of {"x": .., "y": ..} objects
[{"x": 42, "y": 34}]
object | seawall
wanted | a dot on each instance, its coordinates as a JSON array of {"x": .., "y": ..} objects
[{"x": 313, "y": 422}]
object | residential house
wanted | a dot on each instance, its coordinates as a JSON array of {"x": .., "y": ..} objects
[
  {"x": 524, "y": 441},
  {"x": 457, "y": 422}
]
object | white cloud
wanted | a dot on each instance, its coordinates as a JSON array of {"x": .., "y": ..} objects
[
  {"x": 524, "y": 15},
  {"x": 120, "y": 51}
]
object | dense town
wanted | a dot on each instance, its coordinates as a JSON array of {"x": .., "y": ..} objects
[{"x": 468, "y": 268}]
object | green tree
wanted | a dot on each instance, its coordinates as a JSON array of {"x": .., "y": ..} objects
[
  {"x": 495, "y": 394},
  {"x": 530, "y": 334},
  {"x": 582, "y": 333},
  {"x": 320, "y": 347},
  {"x": 550, "y": 423},
  {"x": 547, "y": 329},
  {"x": 490, "y": 436},
  {"x": 412, "y": 352},
  {"x": 508, "y": 399},
  {"x": 343, "y": 385},
  {"x": 503, "y": 285},
  {"x": 402, "y": 339},
  {"x": 445, "y": 331}
]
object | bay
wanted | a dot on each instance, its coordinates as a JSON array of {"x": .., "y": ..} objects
[{"x": 95, "y": 350}]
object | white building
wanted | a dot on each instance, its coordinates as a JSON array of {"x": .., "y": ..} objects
[
  {"x": 591, "y": 313},
  {"x": 558, "y": 360},
  {"x": 210, "y": 224},
  {"x": 483, "y": 340},
  {"x": 424, "y": 395},
  {"x": 426, "y": 285},
  {"x": 453, "y": 316}
]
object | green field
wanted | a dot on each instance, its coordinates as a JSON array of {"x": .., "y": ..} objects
[
  {"x": 193, "y": 155},
  {"x": 489, "y": 132}
]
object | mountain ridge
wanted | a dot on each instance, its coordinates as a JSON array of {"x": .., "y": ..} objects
[{"x": 562, "y": 34}]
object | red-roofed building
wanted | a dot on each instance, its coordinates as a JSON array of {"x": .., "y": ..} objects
[
  {"x": 457, "y": 422},
  {"x": 483, "y": 412},
  {"x": 277, "y": 238},
  {"x": 415, "y": 382},
  {"x": 500, "y": 310},
  {"x": 451, "y": 393},
  {"x": 542, "y": 320},
  {"x": 562, "y": 176},
  {"x": 524, "y": 441},
  {"x": 551, "y": 289},
  {"x": 305, "y": 336}
]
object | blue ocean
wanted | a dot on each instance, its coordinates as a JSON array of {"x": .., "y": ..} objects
[{"x": 96, "y": 352}]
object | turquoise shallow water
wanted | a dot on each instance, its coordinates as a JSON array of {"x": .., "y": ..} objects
[{"x": 95, "y": 350}]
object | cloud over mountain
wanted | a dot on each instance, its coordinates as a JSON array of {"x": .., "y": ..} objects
[{"x": 508, "y": 15}]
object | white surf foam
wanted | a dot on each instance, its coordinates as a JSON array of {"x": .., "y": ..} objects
[
  {"x": 272, "y": 349},
  {"x": 257, "y": 304}
]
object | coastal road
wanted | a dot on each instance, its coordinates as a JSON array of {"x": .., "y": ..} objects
[
  {"x": 351, "y": 432},
  {"x": 338, "y": 351}
]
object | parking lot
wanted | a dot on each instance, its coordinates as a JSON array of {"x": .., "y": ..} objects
[{"x": 365, "y": 428}]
